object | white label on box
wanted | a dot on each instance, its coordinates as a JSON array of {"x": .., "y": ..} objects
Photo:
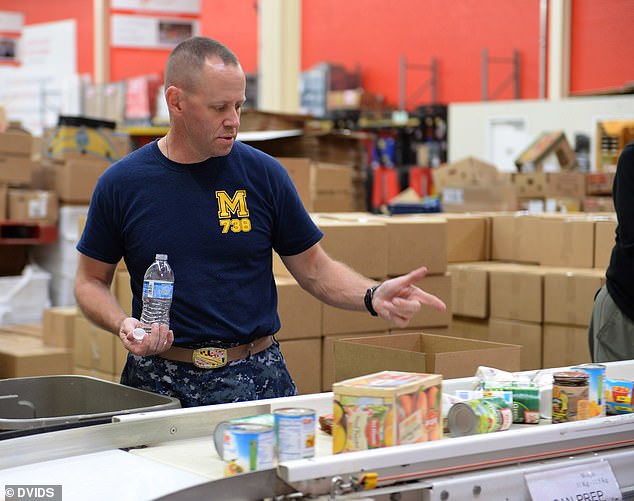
[
  {"x": 453, "y": 196},
  {"x": 592, "y": 481},
  {"x": 38, "y": 208}
]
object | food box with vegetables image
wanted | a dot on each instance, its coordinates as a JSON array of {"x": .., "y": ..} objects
[{"x": 386, "y": 408}]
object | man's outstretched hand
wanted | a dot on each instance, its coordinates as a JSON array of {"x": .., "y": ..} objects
[{"x": 398, "y": 299}]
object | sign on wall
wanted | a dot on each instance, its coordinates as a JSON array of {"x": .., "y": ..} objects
[{"x": 150, "y": 32}]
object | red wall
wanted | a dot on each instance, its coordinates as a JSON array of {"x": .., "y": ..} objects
[
  {"x": 375, "y": 33},
  {"x": 601, "y": 45},
  {"x": 233, "y": 23}
]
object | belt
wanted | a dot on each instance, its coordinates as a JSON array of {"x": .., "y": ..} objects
[{"x": 212, "y": 357}]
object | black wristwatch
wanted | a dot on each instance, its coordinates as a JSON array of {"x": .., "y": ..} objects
[{"x": 369, "y": 294}]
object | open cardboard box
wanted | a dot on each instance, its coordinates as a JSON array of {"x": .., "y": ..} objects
[{"x": 453, "y": 357}]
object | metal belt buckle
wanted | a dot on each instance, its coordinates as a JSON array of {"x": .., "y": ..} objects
[{"x": 209, "y": 358}]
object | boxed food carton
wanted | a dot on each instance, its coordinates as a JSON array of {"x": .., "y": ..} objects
[{"x": 386, "y": 408}]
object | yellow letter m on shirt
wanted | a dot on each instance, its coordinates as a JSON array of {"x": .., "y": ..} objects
[{"x": 232, "y": 205}]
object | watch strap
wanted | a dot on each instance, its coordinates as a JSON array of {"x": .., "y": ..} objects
[{"x": 367, "y": 299}]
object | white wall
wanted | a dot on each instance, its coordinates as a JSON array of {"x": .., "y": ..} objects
[{"x": 472, "y": 126}]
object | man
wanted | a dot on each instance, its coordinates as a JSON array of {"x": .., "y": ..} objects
[
  {"x": 611, "y": 331},
  {"x": 217, "y": 208}
]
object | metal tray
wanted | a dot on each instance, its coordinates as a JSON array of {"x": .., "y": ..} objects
[{"x": 51, "y": 401}]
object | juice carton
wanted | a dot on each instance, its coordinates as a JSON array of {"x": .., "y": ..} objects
[{"x": 386, "y": 408}]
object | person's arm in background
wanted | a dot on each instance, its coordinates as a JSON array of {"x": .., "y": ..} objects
[
  {"x": 98, "y": 304},
  {"x": 623, "y": 195},
  {"x": 336, "y": 284}
]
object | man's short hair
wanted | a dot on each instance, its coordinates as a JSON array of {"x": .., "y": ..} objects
[{"x": 189, "y": 56}]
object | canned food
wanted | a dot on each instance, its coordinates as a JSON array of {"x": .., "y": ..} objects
[
  {"x": 295, "y": 433},
  {"x": 525, "y": 399},
  {"x": 480, "y": 415},
  {"x": 596, "y": 378},
  {"x": 570, "y": 396},
  {"x": 248, "y": 447},
  {"x": 618, "y": 396},
  {"x": 221, "y": 427}
]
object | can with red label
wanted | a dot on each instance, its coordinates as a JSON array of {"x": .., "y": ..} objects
[{"x": 295, "y": 431}]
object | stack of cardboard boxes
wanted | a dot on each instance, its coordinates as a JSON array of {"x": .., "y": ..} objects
[{"x": 538, "y": 288}]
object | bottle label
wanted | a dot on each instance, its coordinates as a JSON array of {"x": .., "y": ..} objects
[{"x": 158, "y": 289}]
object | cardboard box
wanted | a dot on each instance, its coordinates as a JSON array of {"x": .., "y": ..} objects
[
  {"x": 338, "y": 321},
  {"x": 569, "y": 295},
  {"x": 299, "y": 311},
  {"x": 566, "y": 184},
  {"x": 468, "y": 171},
  {"x": 333, "y": 202},
  {"x": 533, "y": 158},
  {"x": 499, "y": 197},
  {"x": 469, "y": 327},
  {"x": 58, "y": 326},
  {"x": 76, "y": 178},
  {"x": 468, "y": 237},
  {"x": 412, "y": 241},
  {"x": 328, "y": 356},
  {"x": 566, "y": 241},
  {"x": 303, "y": 359},
  {"x": 94, "y": 347},
  {"x": 421, "y": 352},
  {"x": 384, "y": 409},
  {"x": 469, "y": 290},
  {"x": 105, "y": 376},
  {"x": 32, "y": 330},
  {"x": 528, "y": 335},
  {"x": 3, "y": 201},
  {"x": 515, "y": 237},
  {"x": 516, "y": 293},
  {"x": 120, "y": 359},
  {"x": 24, "y": 356},
  {"x": 331, "y": 178},
  {"x": 299, "y": 169},
  {"x": 604, "y": 234},
  {"x": 123, "y": 291},
  {"x": 565, "y": 345},
  {"x": 33, "y": 206},
  {"x": 349, "y": 240},
  {"x": 15, "y": 158}
]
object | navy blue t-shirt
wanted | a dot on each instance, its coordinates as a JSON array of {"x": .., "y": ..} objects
[{"x": 217, "y": 221}]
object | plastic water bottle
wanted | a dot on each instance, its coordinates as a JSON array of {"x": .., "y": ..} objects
[{"x": 158, "y": 288}]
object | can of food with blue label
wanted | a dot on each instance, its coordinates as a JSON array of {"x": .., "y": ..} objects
[
  {"x": 596, "y": 392},
  {"x": 248, "y": 447},
  {"x": 295, "y": 433}
]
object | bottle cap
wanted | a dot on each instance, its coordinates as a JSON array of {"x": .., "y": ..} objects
[
  {"x": 162, "y": 257},
  {"x": 138, "y": 333}
]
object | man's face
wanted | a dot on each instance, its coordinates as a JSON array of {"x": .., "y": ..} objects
[{"x": 211, "y": 110}]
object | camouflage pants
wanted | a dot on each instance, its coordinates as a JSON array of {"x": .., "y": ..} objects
[{"x": 263, "y": 375}]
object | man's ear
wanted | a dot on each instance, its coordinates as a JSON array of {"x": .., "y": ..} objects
[{"x": 173, "y": 98}]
